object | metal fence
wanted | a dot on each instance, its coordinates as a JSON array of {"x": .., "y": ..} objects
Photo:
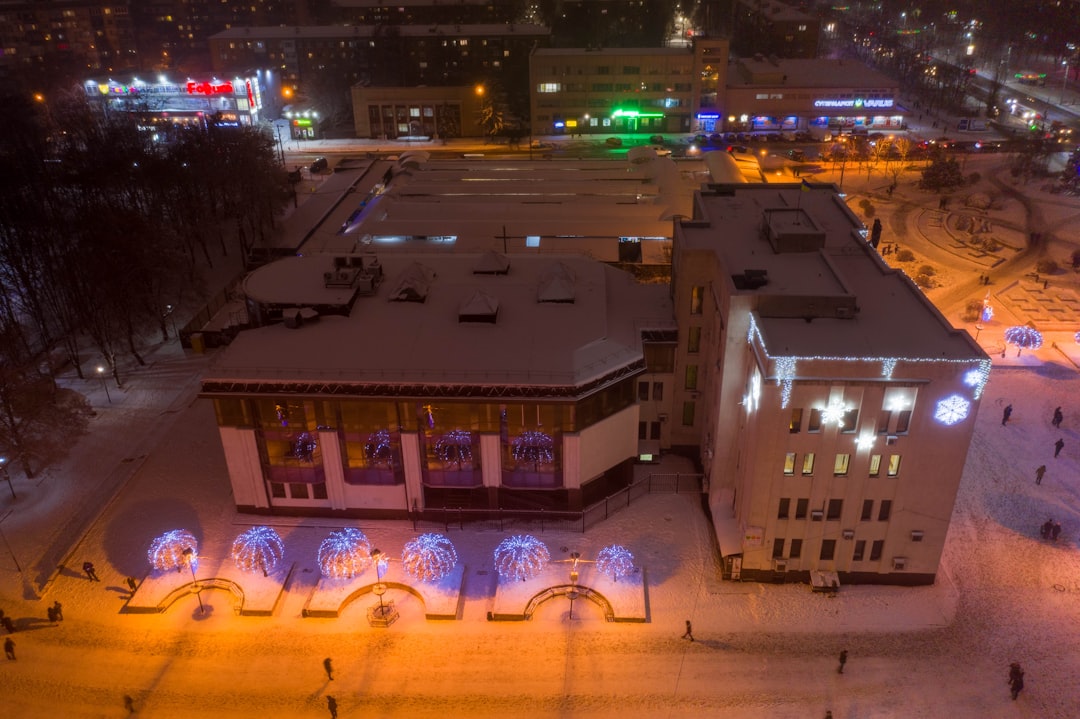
[{"x": 537, "y": 521}]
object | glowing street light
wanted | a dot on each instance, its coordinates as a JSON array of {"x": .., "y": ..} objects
[{"x": 101, "y": 374}]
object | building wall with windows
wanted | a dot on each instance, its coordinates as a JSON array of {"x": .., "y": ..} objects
[
  {"x": 624, "y": 90},
  {"x": 839, "y": 407},
  {"x": 434, "y": 112},
  {"x": 508, "y": 389}
]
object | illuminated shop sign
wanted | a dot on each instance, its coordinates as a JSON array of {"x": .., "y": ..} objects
[
  {"x": 210, "y": 88},
  {"x": 856, "y": 102},
  {"x": 708, "y": 116},
  {"x": 635, "y": 113}
]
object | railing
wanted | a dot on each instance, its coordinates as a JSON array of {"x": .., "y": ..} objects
[{"x": 541, "y": 520}]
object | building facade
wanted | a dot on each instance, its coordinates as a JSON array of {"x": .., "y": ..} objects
[
  {"x": 771, "y": 28},
  {"x": 832, "y": 404},
  {"x": 490, "y": 384},
  {"x": 165, "y": 105}
]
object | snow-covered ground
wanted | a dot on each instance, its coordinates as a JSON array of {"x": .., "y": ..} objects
[{"x": 152, "y": 462}]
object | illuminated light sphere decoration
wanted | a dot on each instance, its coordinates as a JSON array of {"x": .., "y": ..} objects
[
  {"x": 533, "y": 447},
  {"x": 952, "y": 409},
  {"x": 344, "y": 554},
  {"x": 258, "y": 549},
  {"x": 1076, "y": 337},
  {"x": 1024, "y": 338},
  {"x": 167, "y": 551},
  {"x": 521, "y": 556},
  {"x": 455, "y": 446},
  {"x": 429, "y": 557},
  {"x": 615, "y": 561},
  {"x": 304, "y": 446},
  {"x": 377, "y": 447}
]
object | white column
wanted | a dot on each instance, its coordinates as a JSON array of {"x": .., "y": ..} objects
[
  {"x": 411, "y": 463},
  {"x": 245, "y": 469},
  {"x": 330, "y": 443}
]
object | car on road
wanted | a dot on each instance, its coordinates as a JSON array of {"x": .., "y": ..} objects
[
  {"x": 321, "y": 164},
  {"x": 797, "y": 155},
  {"x": 657, "y": 139},
  {"x": 614, "y": 142},
  {"x": 661, "y": 151}
]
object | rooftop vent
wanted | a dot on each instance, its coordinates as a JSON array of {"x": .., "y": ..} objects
[
  {"x": 492, "y": 263},
  {"x": 556, "y": 284},
  {"x": 413, "y": 284},
  {"x": 481, "y": 307},
  {"x": 750, "y": 279}
]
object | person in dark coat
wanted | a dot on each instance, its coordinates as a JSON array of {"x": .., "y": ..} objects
[
  {"x": 1017, "y": 683},
  {"x": 132, "y": 584},
  {"x": 52, "y": 615},
  {"x": 8, "y": 624},
  {"x": 331, "y": 705},
  {"x": 1039, "y": 472},
  {"x": 91, "y": 573},
  {"x": 843, "y": 661},
  {"x": 1058, "y": 446},
  {"x": 1055, "y": 531},
  {"x": 9, "y": 649},
  {"x": 1005, "y": 415},
  {"x": 1045, "y": 529},
  {"x": 58, "y": 610},
  {"x": 689, "y": 633},
  {"x": 329, "y": 667},
  {"x": 1058, "y": 417},
  {"x": 1014, "y": 671}
]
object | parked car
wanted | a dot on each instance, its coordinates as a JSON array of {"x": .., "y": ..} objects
[
  {"x": 730, "y": 137},
  {"x": 742, "y": 137},
  {"x": 716, "y": 138},
  {"x": 614, "y": 142},
  {"x": 657, "y": 139},
  {"x": 797, "y": 155},
  {"x": 661, "y": 151},
  {"x": 319, "y": 165}
]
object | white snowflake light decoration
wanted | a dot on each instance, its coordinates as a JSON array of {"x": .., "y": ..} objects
[
  {"x": 167, "y": 551},
  {"x": 521, "y": 556},
  {"x": 344, "y": 554},
  {"x": 834, "y": 413},
  {"x": 615, "y": 561},
  {"x": 429, "y": 557},
  {"x": 952, "y": 409},
  {"x": 258, "y": 549}
]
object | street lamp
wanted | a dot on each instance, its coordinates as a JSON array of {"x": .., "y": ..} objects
[
  {"x": 1064, "y": 80},
  {"x": 7, "y": 477},
  {"x": 380, "y": 589},
  {"x": 101, "y": 374},
  {"x": 193, "y": 559}
]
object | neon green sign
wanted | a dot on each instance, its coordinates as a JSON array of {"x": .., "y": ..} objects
[{"x": 635, "y": 113}]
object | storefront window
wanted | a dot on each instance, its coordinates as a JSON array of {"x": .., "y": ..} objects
[
  {"x": 289, "y": 447},
  {"x": 531, "y": 441}
]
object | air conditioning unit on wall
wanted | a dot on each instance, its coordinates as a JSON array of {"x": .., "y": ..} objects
[
  {"x": 899, "y": 563},
  {"x": 849, "y": 534},
  {"x": 779, "y": 565}
]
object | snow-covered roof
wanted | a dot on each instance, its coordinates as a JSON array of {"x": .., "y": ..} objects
[{"x": 531, "y": 343}]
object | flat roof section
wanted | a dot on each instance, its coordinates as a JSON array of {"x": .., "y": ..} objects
[
  {"x": 549, "y": 344},
  {"x": 817, "y": 72}
]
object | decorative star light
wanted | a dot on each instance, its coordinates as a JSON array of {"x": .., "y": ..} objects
[
  {"x": 344, "y": 554},
  {"x": 615, "y": 561},
  {"x": 167, "y": 551},
  {"x": 429, "y": 557},
  {"x": 865, "y": 440},
  {"x": 973, "y": 378},
  {"x": 521, "y": 556},
  {"x": 753, "y": 396},
  {"x": 897, "y": 404},
  {"x": 952, "y": 409},
  {"x": 834, "y": 413},
  {"x": 258, "y": 549}
]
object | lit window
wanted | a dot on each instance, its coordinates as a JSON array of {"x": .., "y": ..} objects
[
  {"x": 894, "y": 465},
  {"x": 875, "y": 465},
  {"x": 789, "y": 464},
  {"x": 697, "y": 295},
  {"x": 691, "y": 377},
  {"x": 547, "y": 87},
  {"x": 840, "y": 466},
  {"x": 808, "y": 464}
]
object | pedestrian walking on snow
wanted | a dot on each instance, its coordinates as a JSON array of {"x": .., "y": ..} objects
[
  {"x": 91, "y": 573},
  {"x": 129, "y": 704},
  {"x": 52, "y": 615},
  {"x": 1016, "y": 684},
  {"x": 1055, "y": 531},
  {"x": 1006, "y": 415},
  {"x": 689, "y": 633},
  {"x": 843, "y": 661},
  {"x": 1014, "y": 671},
  {"x": 58, "y": 610},
  {"x": 1058, "y": 446},
  {"x": 132, "y": 584},
  {"x": 9, "y": 649},
  {"x": 8, "y": 624},
  {"x": 331, "y": 705},
  {"x": 1058, "y": 418},
  {"x": 1039, "y": 472},
  {"x": 1046, "y": 528},
  {"x": 329, "y": 667}
]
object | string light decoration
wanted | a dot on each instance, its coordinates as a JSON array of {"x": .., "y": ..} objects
[
  {"x": 344, "y": 554},
  {"x": 167, "y": 551},
  {"x": 952, "y": 409},
  {"x": 1076, "y": 338},
  {"x": 258, "y": 549},
  {"x": 455, "y": 446},
  {"x": 1024, "y": 338},
  {"x": 785, "y": 375},
  {"x": 788, "y": 363},
  {"x": 521, "y": 556},
  {"x": 533, "y": 447},
  {"x": 304, "y": 446},
  {"x": 615, "y": 561},
  {"x": 377, "y": 447},
  {"x": 429, "y": 557},
  {"x": 987, "y": 313},
  {"x": 888, "y": 366}
]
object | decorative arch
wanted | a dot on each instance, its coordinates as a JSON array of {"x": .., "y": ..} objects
[
  {"x": 562, "y": 590},
  {"x": 214, "y": 583}
]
